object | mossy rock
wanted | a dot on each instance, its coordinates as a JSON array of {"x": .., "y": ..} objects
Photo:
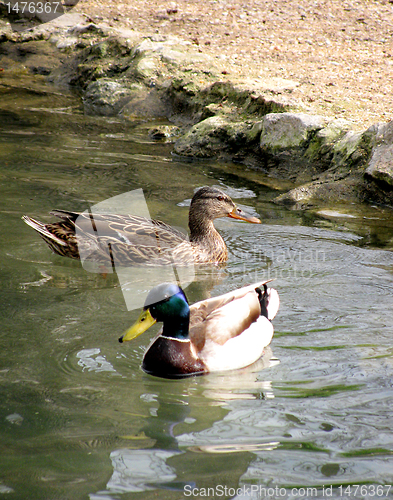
[
  {"x": 285, "y": 131},
  {"x": 106, "y": 97},
  {"x": 212, "y": 136}
]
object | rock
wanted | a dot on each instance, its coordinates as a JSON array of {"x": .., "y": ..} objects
[
  {"x": 283, "y": 143},
  {"x": 212, "y": 137},
  {"x": 5, "y": 30},
  {"x": 68, "y": 20},
  {"x": 283, "y": 131},
  {"x": 323, "y": 144},
  {"x": 64, "y": 42},
  {"x": 91, "y": 28},
  {"x": 380, "y": 167},
  {"x": 147, "y": 67},
  {"x": 349, "y": 189},
  {"x": 145, "y": 104},
  {"x": 164, "y": 132},
  {"x": 381, "y": 164},
  {"x": 343, "y": 179},
  {"x": 107, "y": 97},
  {"x": 121, "y": 72},
  {"x": 170, "y": 50},
  {"x": 346, "y": 147}
]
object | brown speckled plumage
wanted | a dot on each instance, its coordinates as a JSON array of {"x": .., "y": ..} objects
[{"x": 129, "y": 239}]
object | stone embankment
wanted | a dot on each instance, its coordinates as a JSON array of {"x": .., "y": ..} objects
[{"x": 122, "y": 73}]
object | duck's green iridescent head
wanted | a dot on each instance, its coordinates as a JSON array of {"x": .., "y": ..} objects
[{"x": 165, "y": 303}]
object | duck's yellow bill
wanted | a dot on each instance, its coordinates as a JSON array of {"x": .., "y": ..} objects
[
  {"x": 144, "y": 322},
  {"x": 237, "y": 213}
]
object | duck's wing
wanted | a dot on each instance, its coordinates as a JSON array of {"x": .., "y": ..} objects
[
  {"x": 200, "y": 310},
  {"x": 234, "y": 334},
  {"x": 127, "y": 239},
  {"x": 129, "y": 229},
  {"x": 225, "y": 317},
  {"x": 114, "y": 239}
]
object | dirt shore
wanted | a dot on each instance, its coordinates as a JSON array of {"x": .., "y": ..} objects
[{"x": 339, "y": 54}]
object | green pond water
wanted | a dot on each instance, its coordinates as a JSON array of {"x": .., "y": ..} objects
[{"x": 78, "y": 417}]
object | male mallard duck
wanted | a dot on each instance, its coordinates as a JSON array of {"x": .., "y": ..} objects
[
  {"x": 129, "y": 239},
  {"x": 222, "y": 333}
]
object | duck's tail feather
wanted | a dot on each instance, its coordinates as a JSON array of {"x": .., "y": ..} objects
[
  {"x": 65, "y": 214},
  {"x": 56, "y": 244},
  {"x": 269, "y": 301}
]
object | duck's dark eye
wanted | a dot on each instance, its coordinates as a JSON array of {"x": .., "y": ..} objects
[{"x": 220, "y": 198}]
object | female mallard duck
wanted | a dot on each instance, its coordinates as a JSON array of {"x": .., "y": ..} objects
[
  {"x": 129, "y": 239},
  {"x": 222, "y": 333}
]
